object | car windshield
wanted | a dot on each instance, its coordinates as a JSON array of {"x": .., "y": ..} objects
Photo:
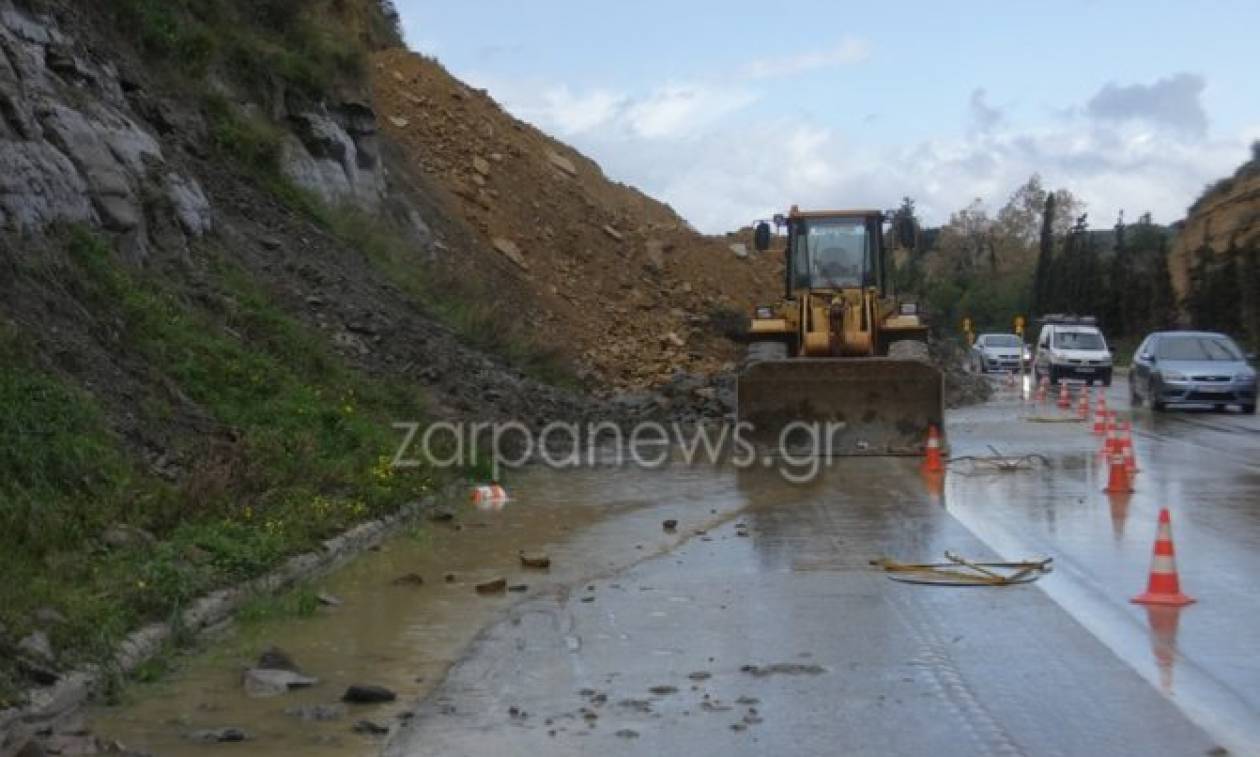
[
  {"x": 1001, "y": 340},
  {"x": 1078, "y": 340},
  {"x": 832, "y": 253},
  {"x": 1197, "y": 348}
]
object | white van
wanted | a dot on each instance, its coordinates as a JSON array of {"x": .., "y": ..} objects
[{"x": 1072, "y": 347}]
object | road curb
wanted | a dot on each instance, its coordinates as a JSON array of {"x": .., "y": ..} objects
[{"x": 49, "y": 705}]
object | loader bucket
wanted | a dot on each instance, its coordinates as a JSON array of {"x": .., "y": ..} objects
[{"x": 863, "y": 406}]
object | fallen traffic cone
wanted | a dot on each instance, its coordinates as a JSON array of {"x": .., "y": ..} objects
[
  {"x": 932, "y": 462},
  {"x": 1065, "y": 399},
  {"x": 1100, "y": 416},
  {"x": 489, "y": 496},
  {"x": 1118, "y": 479},
  {"x": 1164, "y": 588}
]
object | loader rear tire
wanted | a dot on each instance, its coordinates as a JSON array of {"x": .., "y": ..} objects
[{"x": 761, "y": 352}]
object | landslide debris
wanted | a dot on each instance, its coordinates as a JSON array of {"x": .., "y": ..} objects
[{"x": 618, "y": 276}]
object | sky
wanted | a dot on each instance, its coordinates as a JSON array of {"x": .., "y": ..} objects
[{"x": 732, "y": 111}]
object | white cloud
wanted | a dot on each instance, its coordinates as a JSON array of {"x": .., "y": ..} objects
[
  {"x": 679, "y": 111},
  {"x": 672, "y": 111},
  {"x": 847, "y": 51},
  {"x": 704, "y": 149},
  {"x": 561, "y": 111}
]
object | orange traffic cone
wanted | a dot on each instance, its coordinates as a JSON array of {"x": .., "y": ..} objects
[
  {"x": 1100, "y": 416},
  {"x": 1065, "y": 399},
  {"x": 1110, "y": 441},
  {"x": 1164, "y": 588},
  {"x": 1118, "y": 479},
  {"x": 932, "y": 462},
  {"x": 1082, "y": 406},
  {"x": 492, "y": 496}
]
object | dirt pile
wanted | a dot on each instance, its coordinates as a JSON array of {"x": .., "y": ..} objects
[{"x": 635, "y": 292}]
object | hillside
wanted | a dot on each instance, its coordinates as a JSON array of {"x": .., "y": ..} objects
[
  {"x": 1215, "y": 257},
  {"x": 1226, "y": 217},
  {"x": 620, "y": 277},
  {"x": 223, "y": 279}
]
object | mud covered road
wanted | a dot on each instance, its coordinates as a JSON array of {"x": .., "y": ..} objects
[
  {"x": 758, "y": 626},
  {"x": 771, "y": 633}
]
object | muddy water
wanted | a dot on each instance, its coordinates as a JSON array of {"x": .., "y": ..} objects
[{"x": 591, "y": 522}]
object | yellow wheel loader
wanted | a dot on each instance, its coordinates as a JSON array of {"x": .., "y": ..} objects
[{"x": 839, "y": 356}]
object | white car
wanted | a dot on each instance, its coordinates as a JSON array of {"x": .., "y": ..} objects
[{"x": 1073, "y": 348}]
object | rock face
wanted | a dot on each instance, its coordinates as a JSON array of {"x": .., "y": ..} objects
[
  {"x": 70, "y": 150},
  {"x": 333, "y": 154},
  {"x": 1227, "y": 216}
]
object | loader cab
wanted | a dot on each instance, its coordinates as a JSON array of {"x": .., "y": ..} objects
[{"x": 830, "y": 251}]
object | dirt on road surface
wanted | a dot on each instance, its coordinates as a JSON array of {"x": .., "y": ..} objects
[{"x": 754, "y": 624}]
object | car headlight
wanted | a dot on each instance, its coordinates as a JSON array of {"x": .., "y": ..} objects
[
  {"x": 1173, "y": 376},
  {"x": 1245, "y": 377}
]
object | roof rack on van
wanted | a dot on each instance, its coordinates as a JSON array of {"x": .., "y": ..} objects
[{"x": 1064, "y": 319}]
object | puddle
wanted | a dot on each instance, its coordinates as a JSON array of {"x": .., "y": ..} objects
[{"x": 405, "y": 636}]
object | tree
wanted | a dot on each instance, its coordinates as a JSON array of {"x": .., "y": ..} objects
[
  {"x": 905, "y": 226},
  {"x": 1118, "y": 309},
  {"x": 1163, "y": 298},
  {"x": 1250, "y": 264},
  {"x": 1042, "y": 284}
]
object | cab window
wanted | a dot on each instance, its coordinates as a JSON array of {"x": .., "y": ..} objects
[
  {"x": 831, "y": 254},
  {"x": 1078, "y": 340}
]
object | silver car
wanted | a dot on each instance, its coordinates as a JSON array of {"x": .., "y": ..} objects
[
  {"x": 1196, "y": 367},
  {"x": 998, "y": 352}
]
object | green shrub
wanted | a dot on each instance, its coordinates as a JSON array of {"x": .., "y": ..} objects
[
  {"x": 301, "y": 453},
  {"x": 249, "y": 139}
]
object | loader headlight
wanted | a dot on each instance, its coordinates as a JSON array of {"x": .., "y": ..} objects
[
  {"x": 764, "y": 312},
  {"x": 909, "y": 308}
]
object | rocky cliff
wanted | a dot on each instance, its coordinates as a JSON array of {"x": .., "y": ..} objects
[{"x": 1226, "y": 217}]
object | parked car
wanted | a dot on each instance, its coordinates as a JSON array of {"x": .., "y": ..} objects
[
  {"x": 1071, "y": 347},
  {"x": 998, "y": 352},
  {"x": 1192, "y": 367}
]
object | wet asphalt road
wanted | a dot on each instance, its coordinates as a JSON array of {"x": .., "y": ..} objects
[
  {"x": 785, "y": 641},
  {"x": 1205, "y": 468}
]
